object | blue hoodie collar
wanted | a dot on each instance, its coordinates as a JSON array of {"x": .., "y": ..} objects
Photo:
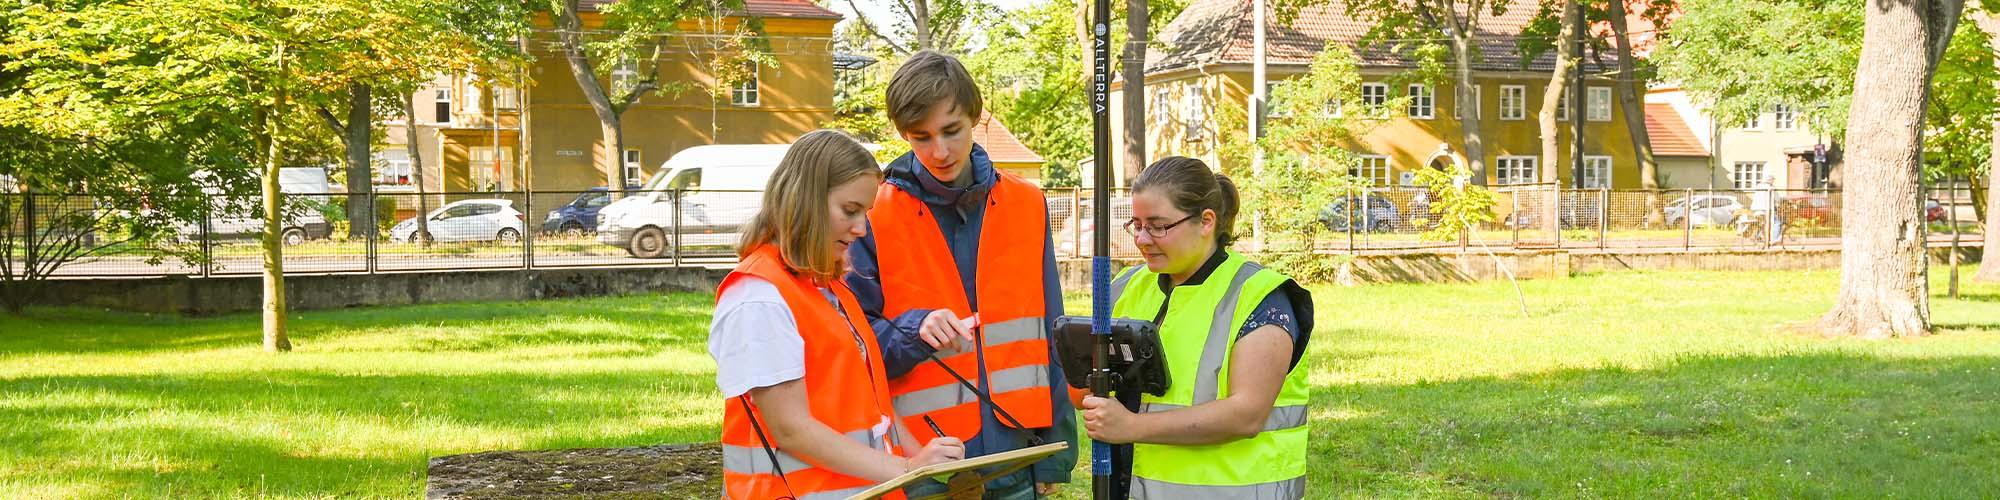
[{"x": 908, "y": 174}]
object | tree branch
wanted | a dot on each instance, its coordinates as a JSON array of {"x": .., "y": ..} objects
[{"x": 868, "y": 26}]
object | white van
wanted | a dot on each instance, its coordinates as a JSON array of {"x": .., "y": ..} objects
[{"x": 720, "y": 189}]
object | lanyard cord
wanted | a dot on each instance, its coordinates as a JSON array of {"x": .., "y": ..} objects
[{"x": 768, "y": 450}]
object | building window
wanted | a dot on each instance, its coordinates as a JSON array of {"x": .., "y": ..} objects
[
  {"x": 1374, "y": 96},
  {"x": 1600, "y": 104},
  {"x": 1516, "y": 170},
  {"x": 443, "y": 110},
  {"x": 489, "y": 165},
  {"x": 393, "y": 168},
  {"x": 506, "y": 98},
  {"x": 1745, "y": 174},
  {"x": 1162, "y": 105},
  {"x": 1782, "y": 118},
  {"x": 745, "y": 93},
  {"x": 1192, "y": 113},
  {"x": 1562, "y": 106},
  {"x": 634, "y": 176},
  {"x": 1373, "y": 169},
  {"x": 1754, "y": 123},
  {"x": 1513, "y": 102},
  {"x": 1596, "y": 172},
  {"x": 1423, "y": 103}
]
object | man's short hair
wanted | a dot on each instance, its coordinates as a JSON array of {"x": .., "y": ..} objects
[{"x": 931, "y": 78}]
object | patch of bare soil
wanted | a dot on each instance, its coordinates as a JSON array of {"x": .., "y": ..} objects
[{"x": 691, "y": 471}]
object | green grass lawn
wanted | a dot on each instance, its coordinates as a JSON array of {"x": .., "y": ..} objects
[{"x": 1621, "y": 385}]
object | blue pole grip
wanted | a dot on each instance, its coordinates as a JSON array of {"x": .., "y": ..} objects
[
  {"x": 1100, "y": 295},
  {"x": 1100, "y": 458}
]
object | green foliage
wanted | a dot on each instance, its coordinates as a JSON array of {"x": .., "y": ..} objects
[
  {"x": 1742, "y": 56},
  {"x": 1459, "y": 204},
  {"x": 1033, "y": 76},
  {"x": 1315, "y": 117}
]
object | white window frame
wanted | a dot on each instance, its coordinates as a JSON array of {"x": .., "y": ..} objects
[
  {"x": 1374, "y": 168},
  {"x": 441, "y": 101},
  {"x": 1756, "y": 122},
  {"x": 1520, "y": 102},
  {"x": 1562, "y": 105},
  {"x": 634, "y": 171},
  {"x": 1525, "y": 170},
  {"x": 1162, "y": 105},
  {"x": 1599, "y": 104},
  {"x": 1596, "y": 172},
  {"x": 1193, "y": 116},
  {"x": 1375, "y": 97},
  {"x": 1742, "y": 176},
  {"x": 1270, "y": 102},
  {"x": 748, "y": 93},
  {"x": 394, "y": 171},
  {"x": 1460, "y": 109},
  {"x": 1423, "y": 101},
  {"x": 1784, "y": 118}
]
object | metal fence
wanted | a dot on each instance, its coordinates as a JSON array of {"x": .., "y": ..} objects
[{"x": 548, "y": 229}]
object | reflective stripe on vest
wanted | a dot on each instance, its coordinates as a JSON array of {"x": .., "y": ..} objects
[
  {"x": 1150, "y": 489},
  {"x": 1283, "y": 417},
  {"x": 754, "y": 459}
]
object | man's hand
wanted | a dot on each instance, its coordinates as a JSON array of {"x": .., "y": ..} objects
[{"x": 942, "y": 330}]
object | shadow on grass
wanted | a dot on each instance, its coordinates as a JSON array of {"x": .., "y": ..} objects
[
  {"x": 1792, "y": 426},
  {"x": 306, "y": 434}
]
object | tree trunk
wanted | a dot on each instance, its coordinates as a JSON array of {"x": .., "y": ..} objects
[
  {"x": 1083, "y": 41},
  {"x": 1883, "y": 287},
  {"x": 1475, "y": 141},
  {"x": 921, "y": 17},
  {"x": 360, "y": 206},
  {"x": 416, "y": 171},
  {"x": 1635, "y": 117},
  {"x": 593, "y": 91},
  {"x": 274, "y": 198},
  {"x": 1136, "y": 21},
  {"x": 1566, "y": 62},
  {"x": 1989, "y": 260}
]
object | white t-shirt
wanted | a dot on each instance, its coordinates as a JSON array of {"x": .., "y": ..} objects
[{"x": 754, "y": 339}]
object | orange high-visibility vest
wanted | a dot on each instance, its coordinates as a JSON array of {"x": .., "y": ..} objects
[
  {"x": 919, "y": 272},
  {"x": 844, "y": 375}
]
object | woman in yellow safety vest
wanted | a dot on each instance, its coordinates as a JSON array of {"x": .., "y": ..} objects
[{"x": 1233, "y": 422}]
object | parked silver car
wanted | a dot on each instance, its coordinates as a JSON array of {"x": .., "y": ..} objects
[
  {"x": 1708, "y": 210},
  {"x": 466, "y": 220}
]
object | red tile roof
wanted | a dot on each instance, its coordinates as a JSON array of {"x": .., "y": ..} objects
[
  {"x": 1221, "y": 31},
  {"x": 802, "y": 9},
  {"x": 1001, "y": 145},
  {"x": 1670, "y": 134}
]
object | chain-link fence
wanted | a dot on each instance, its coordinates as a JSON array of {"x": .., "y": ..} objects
[{"x": 597, "y": 227}]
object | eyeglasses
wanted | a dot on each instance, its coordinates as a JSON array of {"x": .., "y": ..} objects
[{"x": 1132, "y": 227}]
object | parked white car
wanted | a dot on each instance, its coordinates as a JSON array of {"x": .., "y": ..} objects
[
  {"x": 1709, "y": 210},
  {"x": 719, "y": 189},
  {"x": 467, "y": 220}
]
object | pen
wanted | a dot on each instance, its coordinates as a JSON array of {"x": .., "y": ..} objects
[{"x": 934, "y": 427}]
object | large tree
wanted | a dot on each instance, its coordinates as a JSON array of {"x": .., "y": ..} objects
[
  {"x": 1989, "y": 264},
  {"x": 1883, "y": 287}
]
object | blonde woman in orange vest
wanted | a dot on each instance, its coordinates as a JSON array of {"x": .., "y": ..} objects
[{"x": 807, "y": 413}]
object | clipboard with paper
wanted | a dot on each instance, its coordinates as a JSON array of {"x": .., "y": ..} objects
[{"x": 965, "y": 475}]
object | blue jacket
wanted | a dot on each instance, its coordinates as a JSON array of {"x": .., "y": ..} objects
[{"x": 960, "y": 221}]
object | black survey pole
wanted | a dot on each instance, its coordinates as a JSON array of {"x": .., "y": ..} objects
[{"x": 1100, "y": 262}]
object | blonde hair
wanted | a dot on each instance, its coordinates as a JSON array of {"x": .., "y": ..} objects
[{"x": 794, "y": 215}]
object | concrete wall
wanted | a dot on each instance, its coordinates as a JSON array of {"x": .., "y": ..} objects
[{"x": 200, "y": 296}]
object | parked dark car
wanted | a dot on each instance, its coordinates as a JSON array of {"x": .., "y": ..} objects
[
  {"x": 580, "y": 214},
  {"x": 1380, "y": 215}
]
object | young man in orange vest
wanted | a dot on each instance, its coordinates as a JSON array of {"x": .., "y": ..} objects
[{"x": 958, "y": 278}]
